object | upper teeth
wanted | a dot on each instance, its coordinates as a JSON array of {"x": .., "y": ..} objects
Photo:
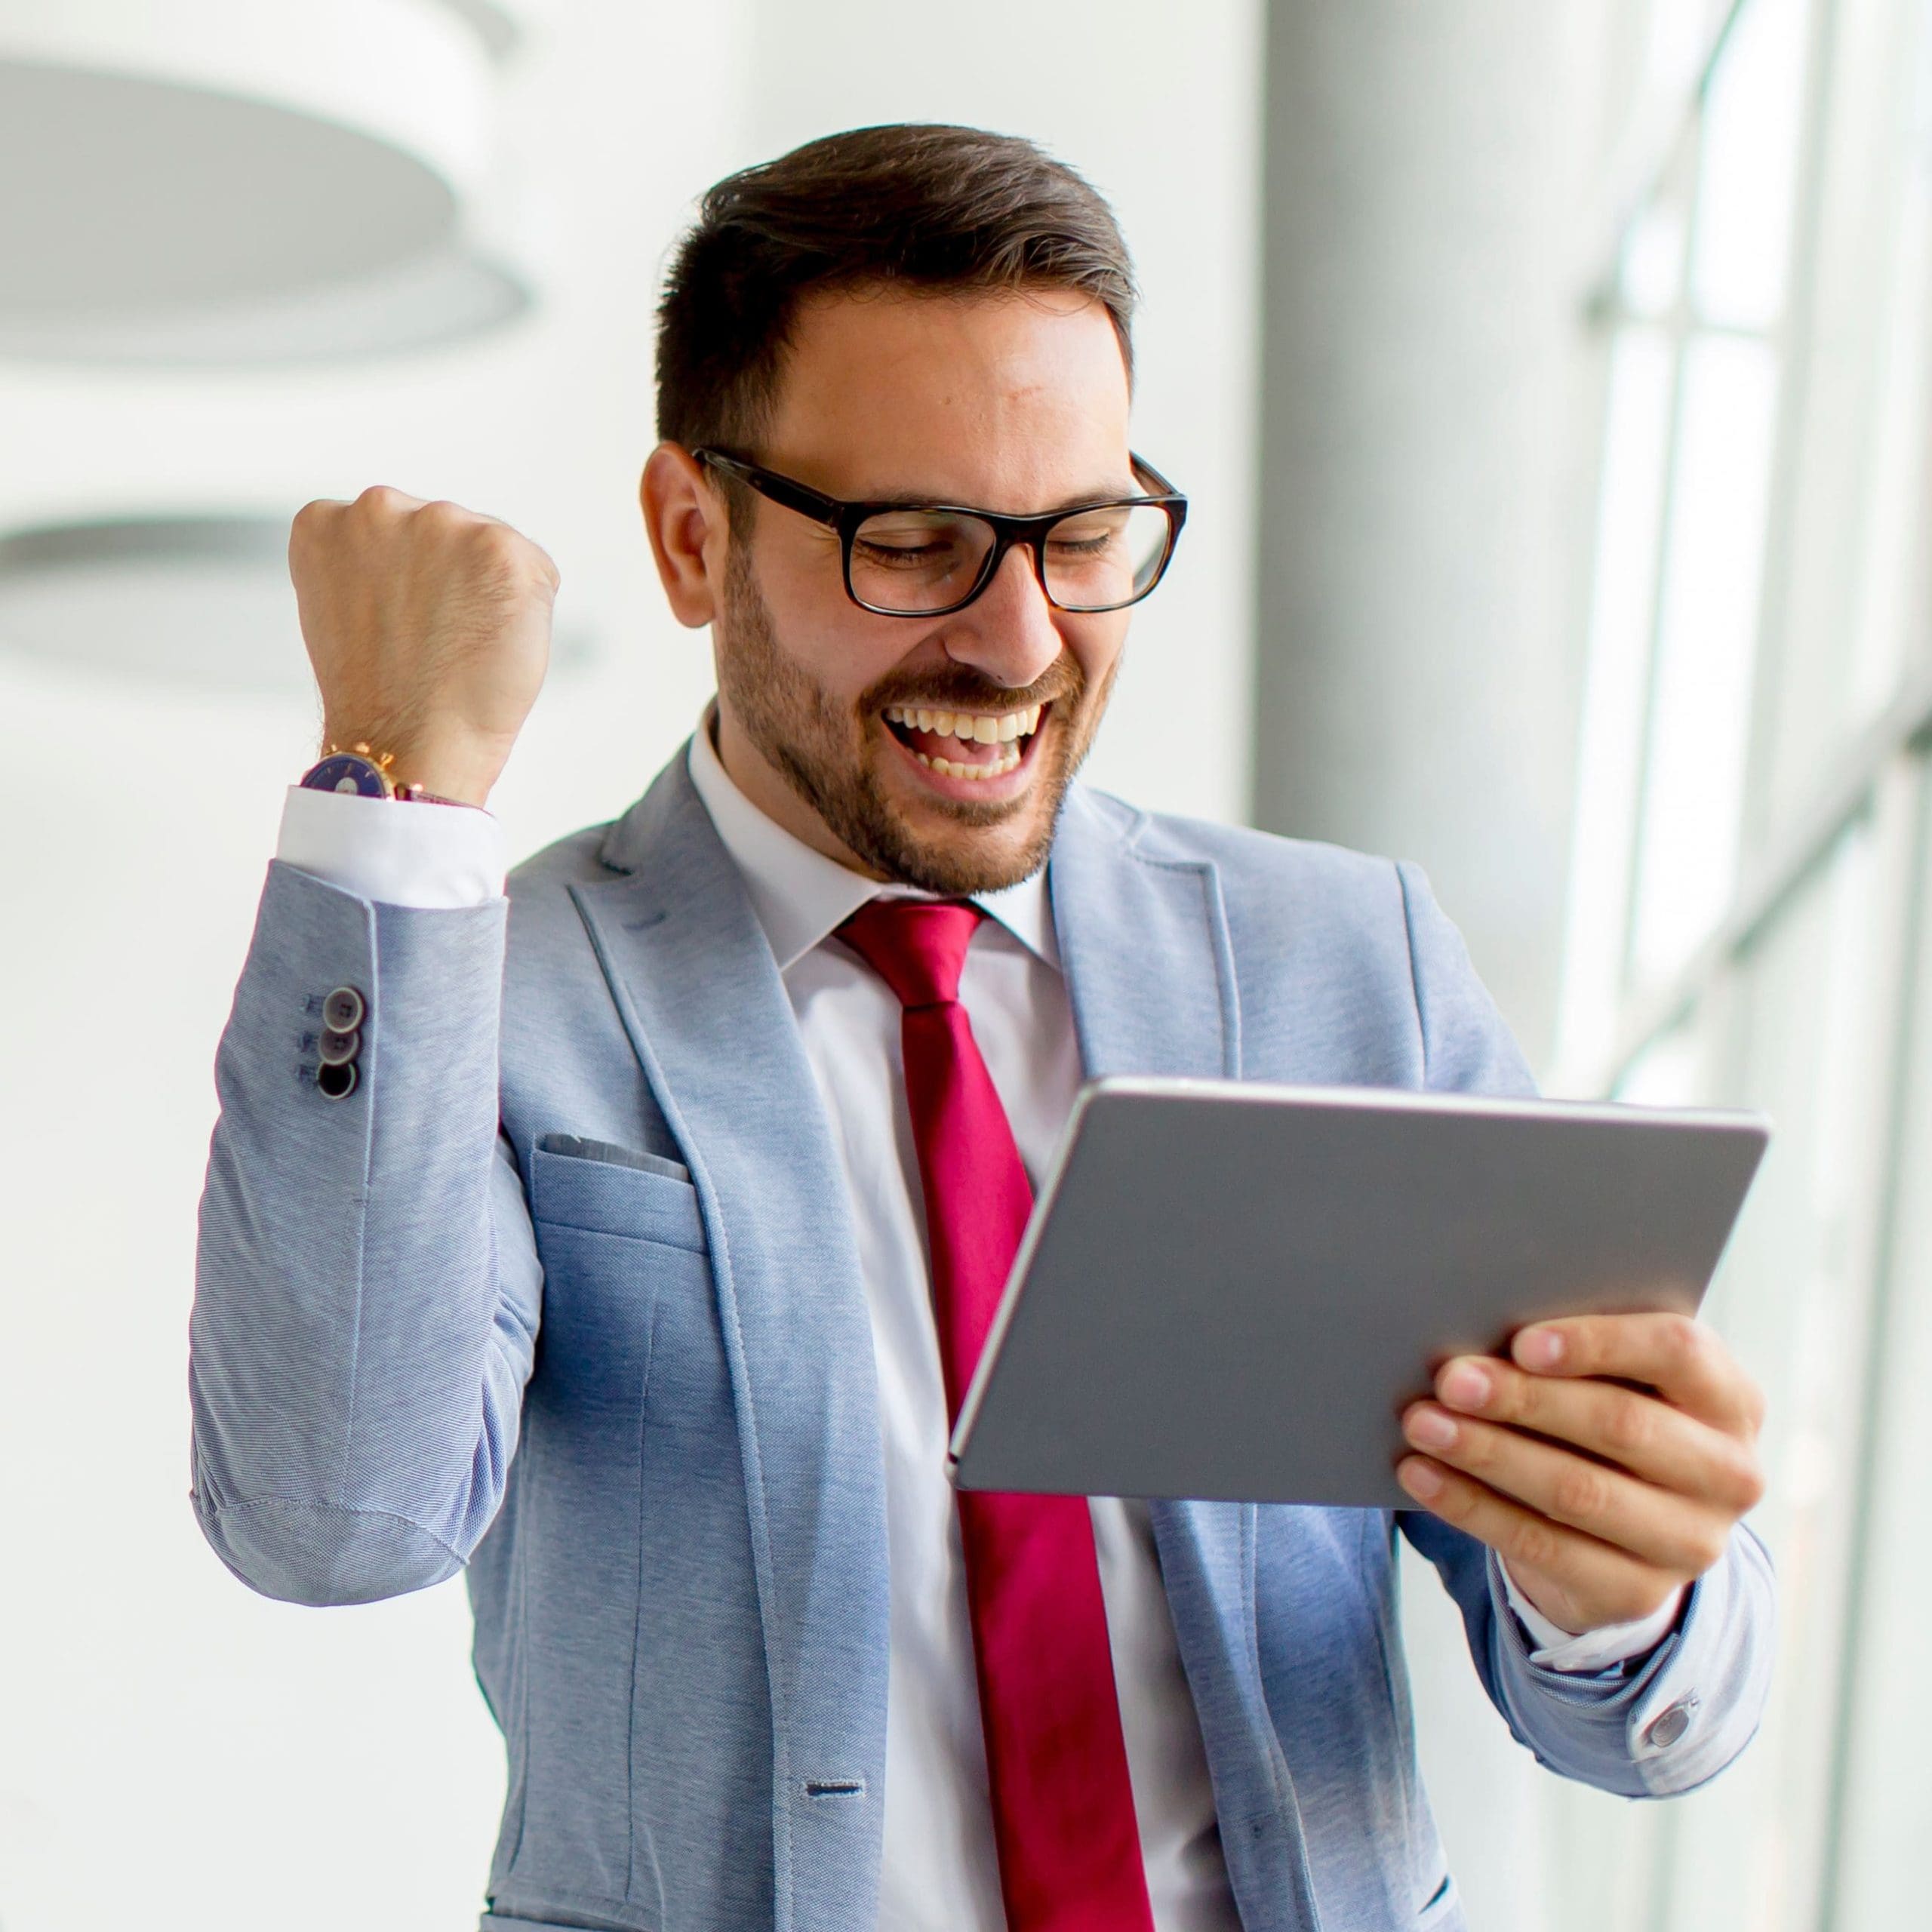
[{"x": 968, "y": 726}]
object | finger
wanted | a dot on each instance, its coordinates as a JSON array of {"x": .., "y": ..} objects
[
  {"x": 1619, "y": 1587},
  {"x": 1668, "y": 1532},
  {"x": 1675, "y": 1354},
  {"x": 1637, "y": 1432}
]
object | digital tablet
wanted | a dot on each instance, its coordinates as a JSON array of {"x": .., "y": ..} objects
[{"x": 1232, "y": 1290}]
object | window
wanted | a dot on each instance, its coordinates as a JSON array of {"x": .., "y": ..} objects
[{"x": 1751, "y": 918}]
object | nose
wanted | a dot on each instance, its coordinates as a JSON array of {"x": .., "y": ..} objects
[{"x": 1008, "y": 631}]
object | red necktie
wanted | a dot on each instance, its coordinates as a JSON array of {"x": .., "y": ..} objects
[{"x": 1069, "y": 1849}]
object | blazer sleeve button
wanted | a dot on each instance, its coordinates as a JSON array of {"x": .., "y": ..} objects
[
  {"x": 338, "y": 1049},
  {"x": 336, "y": 1083},
  {"x": 342, "y": 1011},
  {"x": 1664, "y": 1729}
]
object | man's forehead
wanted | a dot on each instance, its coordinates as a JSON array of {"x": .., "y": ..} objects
[{"x": 1011, "y": 399}]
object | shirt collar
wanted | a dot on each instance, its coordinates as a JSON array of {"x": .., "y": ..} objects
[{"x": 801, "y": 896}]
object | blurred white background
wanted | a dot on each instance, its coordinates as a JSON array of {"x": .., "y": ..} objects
[{"x": 1548, "y": 379}]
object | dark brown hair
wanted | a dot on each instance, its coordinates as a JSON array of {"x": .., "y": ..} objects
[{"x": 924, "y": 205}]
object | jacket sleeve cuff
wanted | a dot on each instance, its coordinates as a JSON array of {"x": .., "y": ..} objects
[{"x": 1661, "y": 1724}]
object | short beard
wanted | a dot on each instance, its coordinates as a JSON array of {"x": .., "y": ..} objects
[{"x": 807, "y": 737}]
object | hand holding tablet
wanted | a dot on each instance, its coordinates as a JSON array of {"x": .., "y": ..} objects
[
  {"x": 1233, "y": 1290},
  {"x": 1602, "y": 1497}
]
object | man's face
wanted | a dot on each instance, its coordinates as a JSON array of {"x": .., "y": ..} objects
[{"x": 1015, "y": 403}]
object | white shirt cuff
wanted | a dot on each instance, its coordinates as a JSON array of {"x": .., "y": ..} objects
[
  {"x": 431, "y": 857},
  {"x": 1594, "y": 1650}
]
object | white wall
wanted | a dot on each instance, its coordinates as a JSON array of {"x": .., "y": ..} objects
[
  {"x": 172, "y": 1748},
  {"x": 1418, "y": 671}
]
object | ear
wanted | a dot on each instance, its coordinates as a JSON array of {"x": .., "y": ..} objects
[{"x": 685, "y": 519}]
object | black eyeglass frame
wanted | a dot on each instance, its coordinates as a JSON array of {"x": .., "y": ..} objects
[{"x": 845, "y": 518}]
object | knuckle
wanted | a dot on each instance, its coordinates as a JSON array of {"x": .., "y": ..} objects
[
  {"x": 523, "y": 562},
  {"x": 1705, "y": 1548},
  {"x": 1684, "y": 1340},
  {"x": 498, "y": 545},
  {"x": 1477, "y": 1447},
  {"x": 1518, "y": 1397},
  {"x": 310, "y": 528},
  {"x": 1628, "y": 1423},
  {"x": 1536, "y": 1543},
  {"x": 1586, "y": 1339},
  {"x": 1744, "y": 1483},
  {"x": 1579, "y": 1493}
]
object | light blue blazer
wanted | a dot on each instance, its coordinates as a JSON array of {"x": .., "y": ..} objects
[{"x": 669, "y": 1498}]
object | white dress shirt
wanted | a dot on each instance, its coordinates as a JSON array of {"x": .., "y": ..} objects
[{"x": 941, "y": 1870}]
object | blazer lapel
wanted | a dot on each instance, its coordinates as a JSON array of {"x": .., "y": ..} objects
[
  {"x": 707, "y": 1014},
  {"x": 1144, "y": 944}
]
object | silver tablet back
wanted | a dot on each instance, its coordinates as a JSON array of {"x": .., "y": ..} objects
[{"x": 1232, "y": 1290}]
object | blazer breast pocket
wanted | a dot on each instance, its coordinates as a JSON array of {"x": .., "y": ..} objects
[
  {"x": 629, "y": 1329},
  {"x": 604, "y": 1189}
]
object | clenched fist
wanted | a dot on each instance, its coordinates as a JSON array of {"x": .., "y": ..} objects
[{"x": 429, "y": 627}]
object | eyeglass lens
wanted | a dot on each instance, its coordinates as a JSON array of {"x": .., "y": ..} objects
[{"x": 910, "y": 561}]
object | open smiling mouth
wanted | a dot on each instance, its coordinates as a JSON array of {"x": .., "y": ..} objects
[{"x": 965, "y": 744}]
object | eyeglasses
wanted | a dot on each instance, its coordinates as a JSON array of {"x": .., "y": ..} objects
[{"x": 925, "y": 560}]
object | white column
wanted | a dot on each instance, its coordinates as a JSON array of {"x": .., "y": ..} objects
[{"x": 1417, "y": 657}]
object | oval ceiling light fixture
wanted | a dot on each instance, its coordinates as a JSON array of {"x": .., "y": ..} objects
[
  {"x": 197, "y": 602},
  {"x": 217, "y": 182}
]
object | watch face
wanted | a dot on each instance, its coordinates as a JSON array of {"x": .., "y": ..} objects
[{"x": 346, "y": 772}]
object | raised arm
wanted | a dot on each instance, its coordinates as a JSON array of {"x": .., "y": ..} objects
[{"x": 368, "y": 1288}]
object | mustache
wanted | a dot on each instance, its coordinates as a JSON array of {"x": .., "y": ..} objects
[{"x": 959, "y": 688}]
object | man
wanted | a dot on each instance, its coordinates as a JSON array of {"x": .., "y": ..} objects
[{"x": 630, "y": 1241}]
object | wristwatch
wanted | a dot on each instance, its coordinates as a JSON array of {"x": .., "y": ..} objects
[{"x": 365, "y": 773}]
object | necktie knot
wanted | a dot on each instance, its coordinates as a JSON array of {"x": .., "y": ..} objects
[{"x": 917, "y": 946}]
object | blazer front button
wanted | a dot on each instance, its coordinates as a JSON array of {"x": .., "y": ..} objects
[
  {"x": 342, "y": 1011},
  {"x": 1664, "y": 1729}
]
